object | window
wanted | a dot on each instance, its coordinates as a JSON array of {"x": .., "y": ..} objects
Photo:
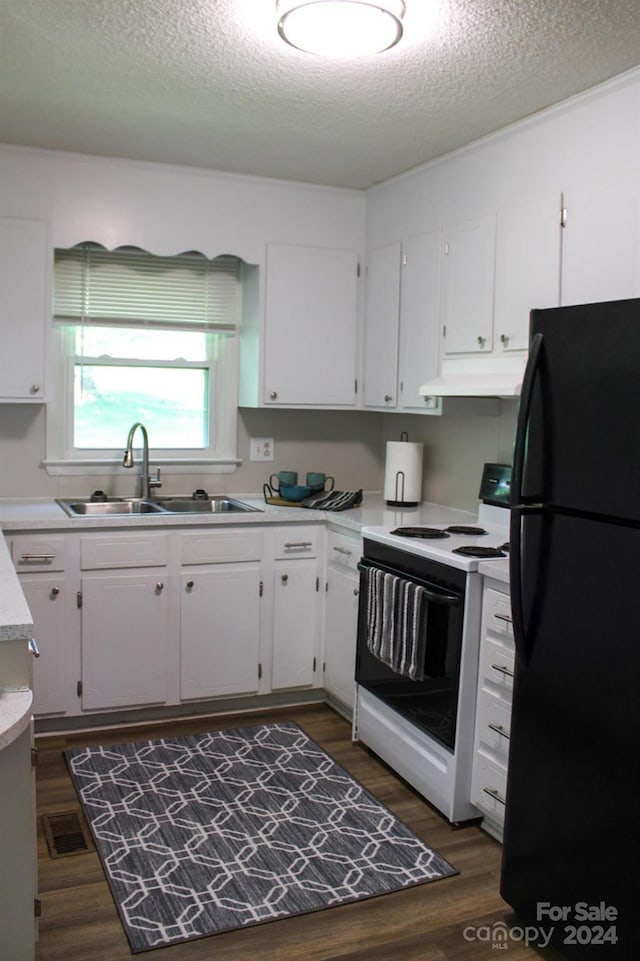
[{"x": 144, "y": 338}]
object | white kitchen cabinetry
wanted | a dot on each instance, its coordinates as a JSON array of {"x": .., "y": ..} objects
[
  {"x": 221, "y": 588},
  {"x": 296, "y": 607},
  {"x": 601, "y": 240},
  {"x": 469, "y": 250},
  {"x": 24, "y": 309},
  {"x": 341, "y": 619},
  {"x": 401, "y": 323},
  {"x": 125, "y": 623},
  {"x": 310, "y": 338},
  {"x": 493, "y": 710},
  {"x": 40, "y": 560}
]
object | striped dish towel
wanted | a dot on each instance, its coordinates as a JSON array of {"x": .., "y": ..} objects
[{"x": 396, "y": 611}]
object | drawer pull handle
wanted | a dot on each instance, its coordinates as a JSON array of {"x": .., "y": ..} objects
[
  {"x": 502, "y": 670},
  {"x": 491, "y": 791},
  {"x": 37, "y": 557},
  {"x": 343, "y": 550},
  {"x": 289, "y": 545},
  {"x": 159, "y": 587},
  {"x": 498, "y": 728},
  {"x": 503, "y": 617},
  {"x": 33, "y": 647}
]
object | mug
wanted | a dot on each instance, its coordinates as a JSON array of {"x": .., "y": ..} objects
[
  {"x": 286, "y": 478},
  {"x": 317, "y": 481}
]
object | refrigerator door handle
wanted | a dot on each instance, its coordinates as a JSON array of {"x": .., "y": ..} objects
[{"x": 517, "y": 508}]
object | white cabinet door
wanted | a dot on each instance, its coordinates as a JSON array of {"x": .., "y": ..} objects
[
  {"x": 527, "y": 267},
  {"x": 47, "y": 600},
  {"x": 419, "y": 321},
  {"x": 311, "y": 326},
  {"x": 295, "y": 624},
  {"x": 468, "y": 286},
  {"x": 380, "y": 376},
  {"x": 25, "y": 310},
  {"x": 124, "y": 639},
  {"x": 601, "y": 241},
  {"x": 341, "y": 626},
  {"x": 219, "y": 631}
]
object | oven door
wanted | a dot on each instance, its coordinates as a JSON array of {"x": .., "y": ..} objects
[{"x": 429, "y": 699}]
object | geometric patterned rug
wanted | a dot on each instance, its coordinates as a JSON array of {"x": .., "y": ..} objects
[{"x": 216, "y": 831}]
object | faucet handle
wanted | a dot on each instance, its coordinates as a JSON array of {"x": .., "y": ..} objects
[{"x": 157, "y": 482}]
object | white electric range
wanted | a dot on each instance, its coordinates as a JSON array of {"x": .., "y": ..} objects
[{"x": 422, "y": 725}]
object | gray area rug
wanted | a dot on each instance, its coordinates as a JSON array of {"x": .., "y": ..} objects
[{"x": 203, "y": 834}]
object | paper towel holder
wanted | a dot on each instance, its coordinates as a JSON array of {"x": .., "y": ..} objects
[{"x": 400, "y": 490}]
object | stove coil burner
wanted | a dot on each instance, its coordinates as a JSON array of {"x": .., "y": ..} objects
[
  {"x": 462, "y": 529},
  {"x": 474, "y": 551},
  {"x": 427, "y": 533}
]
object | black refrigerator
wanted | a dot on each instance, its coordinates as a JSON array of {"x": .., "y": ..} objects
[{"x": 571, "y": 860}]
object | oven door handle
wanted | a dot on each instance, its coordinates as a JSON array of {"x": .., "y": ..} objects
[{"x": 444, "y": 598}]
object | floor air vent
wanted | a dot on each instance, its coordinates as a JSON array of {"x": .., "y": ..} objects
[{"x": 66, "y": 834}]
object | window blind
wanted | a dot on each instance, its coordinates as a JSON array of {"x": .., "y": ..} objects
[{"x": 133, "y": 288}]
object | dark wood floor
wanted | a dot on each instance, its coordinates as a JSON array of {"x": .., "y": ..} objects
[{"x": 427, "y": 923}]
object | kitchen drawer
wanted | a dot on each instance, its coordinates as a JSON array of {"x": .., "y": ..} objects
[
  {"x": 104, "y": 551},
  {"x": 343, "y": 550},
  {"x": 497, "y": 614},
  {"x": 293, "y": 542},
  {"x": 489, "y": 787},
  {"x": 39, "y": 552},
  {"x": 496, "y": 668},
  {"x": 221, "y": 546},
  {"x": 493, "y": 721}
]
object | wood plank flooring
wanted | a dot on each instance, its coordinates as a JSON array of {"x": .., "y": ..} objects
[{"x": 427, "y": 923}]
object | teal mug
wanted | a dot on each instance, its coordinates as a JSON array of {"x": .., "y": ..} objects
[
  {"x": 317, "y": 481},
  {"x": 285, "y": 478}
]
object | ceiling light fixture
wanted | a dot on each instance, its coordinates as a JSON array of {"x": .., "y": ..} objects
[{"x": 341, "y": 28}]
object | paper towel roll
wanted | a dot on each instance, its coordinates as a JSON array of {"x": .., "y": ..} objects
[{"x": 403, "y": 473}]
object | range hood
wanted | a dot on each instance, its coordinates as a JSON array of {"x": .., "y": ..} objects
[{"x": 494, "y": 384}]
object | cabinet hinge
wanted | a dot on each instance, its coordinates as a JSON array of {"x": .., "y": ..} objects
[
  {"x": 261, "y": 589},
  {"x": 324, "y": 667},
  {"x": 79, "y": 688},
  {"x": 358, "y": 270},
  {"x": 446, "y": 247},
  {"x": 355, "y": 386},
  {"x": 404, "y": 260},
  {"x": 315, "y": 661},
  {"x": 79, "y": 599},
  {"x": 317, "y": 585},
  {"x": 37, "y": 908},
  {"x": 34, "y": 756},
  {"x": 259, "y": 672},
  {"x": 444, "y": 331},
  {"x": 563, "y": 216}
]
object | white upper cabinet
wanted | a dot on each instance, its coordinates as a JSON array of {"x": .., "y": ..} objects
[
  {"x": 469, "y": 252},
  {"x": 311, "y": 299},
  {"x": 601, "y": 240},
  {"x": 401, "y": 323},
  {"x": 24, "y": 308},
  {"x": 380, "y": 378},
  {"x": 527, "y": 267}
]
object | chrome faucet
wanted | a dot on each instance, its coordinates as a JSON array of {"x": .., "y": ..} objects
[{"x": 145, "y": 483}]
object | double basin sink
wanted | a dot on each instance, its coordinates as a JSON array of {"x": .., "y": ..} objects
[{"x": 160, "y": 506}]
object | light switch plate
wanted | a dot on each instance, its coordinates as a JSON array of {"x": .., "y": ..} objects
[{"x": 261, "y": 448}]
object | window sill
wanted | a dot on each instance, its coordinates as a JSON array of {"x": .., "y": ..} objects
[{"x": 173, "y": 465}]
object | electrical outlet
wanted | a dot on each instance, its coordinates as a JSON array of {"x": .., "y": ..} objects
[{"x": 261, "y": 448}]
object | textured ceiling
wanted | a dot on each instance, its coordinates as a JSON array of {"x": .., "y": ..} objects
[{"x": 210, "y": 84}]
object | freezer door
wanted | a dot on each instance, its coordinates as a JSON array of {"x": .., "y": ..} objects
[
  {"x": 571, "y": 832},
  {"x": 583, "y": 439}
]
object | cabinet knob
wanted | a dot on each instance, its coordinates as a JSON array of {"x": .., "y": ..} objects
[
  {"x": 482, "y": 341},
  {"x": 387, "y": 398},
  {"x": 55, "y": 591},
  {"x": 284, "y": 578},
  {"x": 355, "y": 592},
  {"x": 35, "y": 388},
  {"x": 504, "y": 339},
  {"x": 273, "y": 394},
  {"x": 159, "y": 587},
  {"x": 189, "y": 585}
]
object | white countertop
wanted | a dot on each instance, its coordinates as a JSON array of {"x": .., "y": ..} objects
[{"x": 15, "y": 617}]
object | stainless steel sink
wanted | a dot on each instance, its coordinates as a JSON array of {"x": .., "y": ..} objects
[
  {"x": 119, "y": 506},
  {"x": 212, "y": 505}
]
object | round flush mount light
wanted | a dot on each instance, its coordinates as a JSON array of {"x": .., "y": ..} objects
[{"x": 341, "y": 28}]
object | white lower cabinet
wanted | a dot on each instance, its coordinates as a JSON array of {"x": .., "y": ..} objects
[
  {"x": 493, "y": 710},
  {"x": 296, "y": 608},
  {"x": 125, "y": 622},
  {"x": 220, "y": 613},
  {"x": 341, "y": 618}
]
